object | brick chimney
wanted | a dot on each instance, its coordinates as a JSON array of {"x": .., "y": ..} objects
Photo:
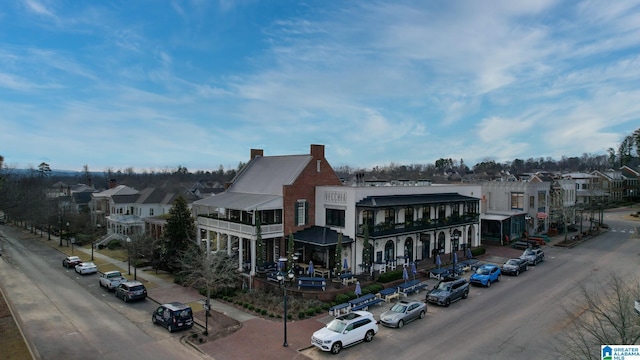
[
  {"x": 255, "y": 153},
  {"x": 317, "y": 151},
  {"x": 112, "y": 183}
]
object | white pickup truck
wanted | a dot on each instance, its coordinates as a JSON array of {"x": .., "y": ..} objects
[{"x": 111, "y": 279}]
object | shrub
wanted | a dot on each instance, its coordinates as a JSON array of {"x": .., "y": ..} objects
[
  {"x": 271, "y": 315},
  {"x": 257, "y": 309},
  {"x": 390, "y": 276},
  {"x": 250, "y": 307},
  {"x": 319, "y": 309},
  {"x": 310, "y": 312},
  {"x": 342, "y": 298},
  {"x": 245, "y": 305},
  {"x": 301, "y": 315},
  {"x": 114, "y": 244},
  {"x": 478, "y": 251},
  {"x": 263, "y": 312}
]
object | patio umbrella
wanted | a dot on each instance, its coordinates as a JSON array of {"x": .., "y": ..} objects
[
  {"x": 358, "y": 290},
  {"x": 345, "y": 264},
  {"x": 405, "y": 276},
  {"x": 310, "y": 270},
  {"x": 469, "y": 254},
  {"x": 280, "y": 265},
  {"x": 438, "y": 261}
]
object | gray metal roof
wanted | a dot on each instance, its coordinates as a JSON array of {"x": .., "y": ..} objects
[
  {"x": 408, "y": 200},
  {"x": 241, "y": 201},
  {"x": 267, "y": 174}
]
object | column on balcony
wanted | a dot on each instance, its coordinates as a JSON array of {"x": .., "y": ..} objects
[
  {"x": 240, "y": 256},
  {"x": 253, "y": 256}
]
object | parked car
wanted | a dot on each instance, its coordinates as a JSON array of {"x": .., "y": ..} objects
[
  {"x": 173, "y": 316},
  {"x": 403, "y": 312},
  {"x": 533, "y": 256},
  {"x": 485, "y": 275},
  {"x": 131, "y": 290},
  {"x": 514, "y": 266},
  {"x": 71, "y": 261},
  {"x": 86, "y": 268},
  {"x": 111, "y": 279},
  {"x": 448, "y": 290},
  {"x": 345, "y": 330}
]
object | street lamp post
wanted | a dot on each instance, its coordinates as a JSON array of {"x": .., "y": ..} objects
[
  {"x": 207, "y": 307},
  {"x": 284, "y": 287},
  {"x": 454, "y": 238},
  {"x": 60, "y": 234},
  {"x": 129, "y": 254},
  {"x": 67, "y": 234}
]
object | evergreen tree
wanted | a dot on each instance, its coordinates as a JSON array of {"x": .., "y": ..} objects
[
  {"x": 338, "y": 256},
  {"x": 290, "y": 250},
  {"x": 178, "y": 234},
  {"x": 366, "y": 251}
]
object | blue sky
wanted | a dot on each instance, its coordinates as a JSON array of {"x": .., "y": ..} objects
[{"x": 151, "y": 85}]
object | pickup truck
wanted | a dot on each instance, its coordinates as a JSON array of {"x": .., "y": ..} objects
[{"x": 111, "y": 279}]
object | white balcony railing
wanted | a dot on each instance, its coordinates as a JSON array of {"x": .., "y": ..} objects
[{"x": 248, "y": 230}]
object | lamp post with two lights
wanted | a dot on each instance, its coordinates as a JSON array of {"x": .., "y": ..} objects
[
  {"x": 455, "y": 236},
  {"x": 281, "y": 281}
]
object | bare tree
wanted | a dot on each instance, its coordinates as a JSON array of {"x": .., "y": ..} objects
[
  {"x": 603, "y": 315},
  {"x": 212, "y": 272}
]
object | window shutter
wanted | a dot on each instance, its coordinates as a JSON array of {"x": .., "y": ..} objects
[
  {"x": 306, "y": 213},
  {"x": 295, "y": 221}
]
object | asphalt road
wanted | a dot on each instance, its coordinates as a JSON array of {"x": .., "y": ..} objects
[
  {"x": 517, "y": 318},
  {"x": 68, "y": 316}
]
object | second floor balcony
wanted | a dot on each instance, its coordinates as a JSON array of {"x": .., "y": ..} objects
[
  {"x": 391, "y": 228},
  {"x": 224, "y": 225}
]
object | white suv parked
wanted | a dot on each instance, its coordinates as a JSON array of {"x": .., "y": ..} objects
[{"x": 346, "y": 330}]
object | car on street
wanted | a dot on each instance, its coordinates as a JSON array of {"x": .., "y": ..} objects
[
  {"x": 533, "y": 256},
  {"x": 514, "y": 266},
  {"x": 345, "y": 330},
  {"x": 403, "y": 312},
  {"x": 485, "y": 275},
  {"x": 448, "y": 290},
  {"x": 71, "y": 261},
  {"x": 173, "y": 316},
  {"x": 131, "y": 290},
  {"x": 86, "y": 268}
]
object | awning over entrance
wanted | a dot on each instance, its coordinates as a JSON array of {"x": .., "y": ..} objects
[
  {"x": 494, "y": 217},
  {"x": 320, "y": 236},
  {"x": 542, "y": 215}
]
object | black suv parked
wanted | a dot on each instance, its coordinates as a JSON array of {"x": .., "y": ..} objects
[
  {"x": 173, "y": 316},
  {"x": 448, "y": 290}
]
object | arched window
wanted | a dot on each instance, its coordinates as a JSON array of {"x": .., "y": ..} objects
[
  {"x": 389, "y": 253},
  {"x": 408, "y": 249},
  {"x": 441, "y": 240}
]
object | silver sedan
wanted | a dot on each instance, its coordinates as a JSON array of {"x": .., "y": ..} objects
[{"x": 403, "y": 312}]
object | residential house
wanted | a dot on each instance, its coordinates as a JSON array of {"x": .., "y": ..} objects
[
  {"x": 279, "y": 190},
  {"x": 631, "y": 187}
]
